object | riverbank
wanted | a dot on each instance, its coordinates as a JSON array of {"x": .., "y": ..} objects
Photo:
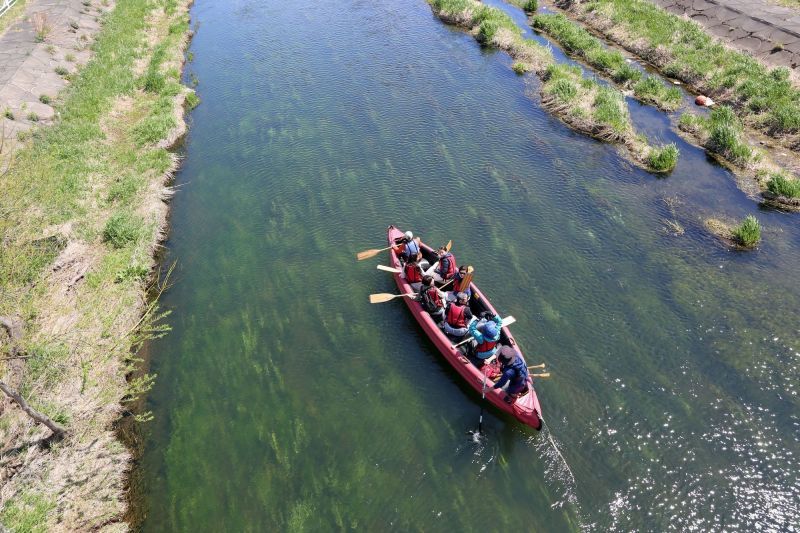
[
  {"x": 762, "y": 102},
  {"x": 83, "y": 206},
  {"x": 580, "y": 102}
]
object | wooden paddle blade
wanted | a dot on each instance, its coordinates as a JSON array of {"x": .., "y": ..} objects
[
  {"x": 448, "y": 245},
  {"x": 366, "y": 254},
  {"x": 545, "y": 375},
  {"x": 388, "y": 269},
  {"x": 431, "y": 269},
  {"x": 382, "y": 297},
  {"x": 507, "y": 321},
  {"x": 535, "y": 366}
]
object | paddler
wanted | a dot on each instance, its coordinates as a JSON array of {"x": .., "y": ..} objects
[
  {"x": 515, "y": 373},
  {"x": 413, "y": 274},
  {"x": 447, "y": 267},
  {"x": 431, "y": 299},
  {"x": 462, "y": 281},
  {"x": 457, "y": 316},
  {"x": 486, "y": 334},
  {"x": 407, "y": 247}
]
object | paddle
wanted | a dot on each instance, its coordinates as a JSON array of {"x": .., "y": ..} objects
[
  {"x": 385, "y": 297},
  {"x": 366, "y": 254},
  {"x": 545, "y": 375},
  {"x": 507, "y": 321},
  {"x": 389, "y": 269}
]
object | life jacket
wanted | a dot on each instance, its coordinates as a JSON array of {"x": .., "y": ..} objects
[
  {"x": 411, "y": 249},
  {"x": 413, "y": 273},
  {"x": 486, "y": 346},
  {"x": 455, "y": 315},
  {"x": 431, "y": 301},
  {"x": 451, "y": 266},
  {"x": 520, "y": 372}
]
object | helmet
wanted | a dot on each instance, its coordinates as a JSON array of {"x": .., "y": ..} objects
[
  {"x": 489, "y": 329},
  {"x": 409, "y": 235},
  {"x": 462, "y": 296}
]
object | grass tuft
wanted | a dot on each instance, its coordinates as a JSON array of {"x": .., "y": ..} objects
[
  {"x": 651, "y": 89},
  {"x": 122, "y": 229},
  {"x": 611, "y": 110},
  {"x": 725, "y": 136},
  {"x": 783, "y": 186},
  {"x": 664, "y": 158},
  {"x": 748, "y": 233}
]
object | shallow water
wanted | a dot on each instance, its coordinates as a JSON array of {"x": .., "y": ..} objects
[{"x": 285, "y": 401}]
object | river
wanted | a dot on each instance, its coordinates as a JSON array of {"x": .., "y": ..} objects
[{"x": 286, "y": 402}]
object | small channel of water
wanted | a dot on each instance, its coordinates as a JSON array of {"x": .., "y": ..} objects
[{"x": 285, "y": 401}]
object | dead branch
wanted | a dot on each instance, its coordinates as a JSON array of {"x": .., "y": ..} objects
[{"x": 14, "y": 330}]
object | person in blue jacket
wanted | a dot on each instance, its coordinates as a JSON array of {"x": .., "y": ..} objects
[
  {"x": 515, "y": 373},
  {"x": 486, "y": 334}
]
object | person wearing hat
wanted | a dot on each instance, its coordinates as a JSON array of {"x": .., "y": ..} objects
[
  {"x": 515, "y": 373},
  {"x": 407, "y": 247},
  {"x": 486, "y": 334},
  {"x": 458, "y": 316}
]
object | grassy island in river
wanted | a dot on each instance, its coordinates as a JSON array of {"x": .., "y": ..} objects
[{"x": 579, "y": 101}]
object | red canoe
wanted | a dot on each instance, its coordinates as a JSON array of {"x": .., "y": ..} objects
[{"x": 526, "y": 408}]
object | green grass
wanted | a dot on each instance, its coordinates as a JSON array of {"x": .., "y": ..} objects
[
  {"x": 725, "y": 136},
  {"x": 90, "y": 172},
  {"x": 491, "y": 21},
  {"x": 748, "y": 233},
  {"x": 562, "y": 82},
  {"x": 27, "y": 513},
  {"x": 783, "y": 186},
  {"x": 611, "y": 110},
  {"x": 664, "y": 158},
  {"x": 651, "y": 89},
  {"x": 579, "y": 42},
  {"x": 762, "y": 96}
]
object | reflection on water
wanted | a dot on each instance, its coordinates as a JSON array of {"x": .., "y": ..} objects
[{"x": 285, "y": 401}]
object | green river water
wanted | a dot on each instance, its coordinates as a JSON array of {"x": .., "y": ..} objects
[{"x": 286, "y": 402}]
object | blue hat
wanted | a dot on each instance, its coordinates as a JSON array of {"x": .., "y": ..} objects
[{"x": 490, "y": 329}]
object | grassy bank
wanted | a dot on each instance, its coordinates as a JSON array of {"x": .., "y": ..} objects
[
  {"x": 582, "y": 44},
  {"x": 722, "y": 134},
  {"x": 762, "y": 98},
  {"x": 83, "y": 210},
  {"x": 580, "y": 102}
]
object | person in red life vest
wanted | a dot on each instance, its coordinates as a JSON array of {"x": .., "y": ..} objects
[
  {"x": 447, "y": 266},
  {"x": 407, "y": 247},
  {"x": 486, "y": 334},
  {"x": 413, "y": 274},
  {"x": 458, "y": 286},
  {"x": 431, "y": 299},
  {"x": 457, "y": 317},
  {"x": 515, "y": 373}
]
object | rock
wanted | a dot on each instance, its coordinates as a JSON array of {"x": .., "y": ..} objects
[{"x": 703, "y": 101}]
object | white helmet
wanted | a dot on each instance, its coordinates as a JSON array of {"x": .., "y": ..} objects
[{"x": 409, "y": 235}]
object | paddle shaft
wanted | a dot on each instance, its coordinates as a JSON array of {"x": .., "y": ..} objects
[{"x": 483, "y": 400}]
